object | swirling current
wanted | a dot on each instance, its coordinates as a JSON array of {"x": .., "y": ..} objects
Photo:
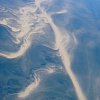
[{"x": 49, "y": 50}]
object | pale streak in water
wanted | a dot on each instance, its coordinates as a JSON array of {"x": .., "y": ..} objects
[
  {"x": 29, "y": 89},
  {"x": 24, "y": 33},
  {"x": 24, "y": 46},
  {"x": 64, "y": 55},
  {"x": 32, "y": 87}
]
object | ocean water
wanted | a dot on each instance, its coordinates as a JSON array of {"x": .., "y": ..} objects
[{"x": 49, "y": 50}]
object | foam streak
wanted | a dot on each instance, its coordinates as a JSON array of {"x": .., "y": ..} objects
[
  {"x": 64, "y": 55},
  {"x": 29, "y": 89}
]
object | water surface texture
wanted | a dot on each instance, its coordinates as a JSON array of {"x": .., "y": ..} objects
[{"x": 49, "y": 50}]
